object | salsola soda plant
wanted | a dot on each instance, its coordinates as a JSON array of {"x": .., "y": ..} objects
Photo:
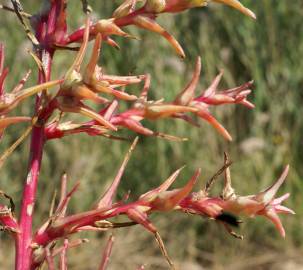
[{"x": 48, "y": 32}]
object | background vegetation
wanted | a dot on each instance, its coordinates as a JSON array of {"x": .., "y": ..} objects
[{"x": 270, "y": 51}]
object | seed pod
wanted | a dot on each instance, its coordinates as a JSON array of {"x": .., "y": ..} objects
[{"x": 124, "y": 9}]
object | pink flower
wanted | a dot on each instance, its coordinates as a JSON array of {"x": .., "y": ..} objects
[{"x": 79, "y": 87}]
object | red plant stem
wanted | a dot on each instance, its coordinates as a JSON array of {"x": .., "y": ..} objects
[
  {"x": 48, "y": 23},
  {"x": 24, "y": 239},
  {"x": 45, "y": 29},
  {"x": 23, "y": 249}
]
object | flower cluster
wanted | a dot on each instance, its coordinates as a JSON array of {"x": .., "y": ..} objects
[
  {"x": 145, "y": 17},
  {"x": 92, "y": 84},
  {"x": 76, "y": 88},
  {"x": 224, "y": 208}
]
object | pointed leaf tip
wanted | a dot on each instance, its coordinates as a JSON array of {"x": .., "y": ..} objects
[
  {"x": 237, "y": 5},
  {"x": 188, "y": 92},
  {"x": 213, "y": 121},
  {"x": 151, "y": 25},
  {"x": 107, "y": 198},
  {"x": 163, "y": 187},
  {"x": 270, "y": 192}
]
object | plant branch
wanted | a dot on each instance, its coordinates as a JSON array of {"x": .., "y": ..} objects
[
  {"x": 22, "y": 13},
  {"x": 19, "y": 11}
]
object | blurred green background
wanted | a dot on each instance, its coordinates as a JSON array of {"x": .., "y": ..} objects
[{"x": 269, "y": 50}]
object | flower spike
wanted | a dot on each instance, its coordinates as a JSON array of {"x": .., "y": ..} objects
[{"x": 83, "y": 85}]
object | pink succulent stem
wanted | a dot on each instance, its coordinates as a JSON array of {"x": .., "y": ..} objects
[
  {"x": 45, "y": 29},
  {"x": 24, "y": 239},
  {"x": 23, "y": 249}
]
